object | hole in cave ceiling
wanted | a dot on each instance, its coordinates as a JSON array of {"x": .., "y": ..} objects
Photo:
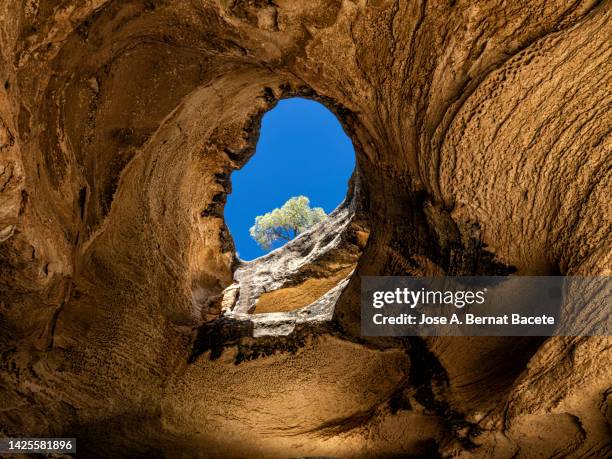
[{"x": 302, "y": 151}]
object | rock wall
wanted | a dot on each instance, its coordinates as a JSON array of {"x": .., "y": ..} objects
[{"x": 482, "y": 134}]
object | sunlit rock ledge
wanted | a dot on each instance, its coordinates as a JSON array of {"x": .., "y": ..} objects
[{"x": 285, "y": 268}]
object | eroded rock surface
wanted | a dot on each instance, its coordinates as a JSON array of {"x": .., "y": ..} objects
[
  {"x": 301, "y": 281},
  {"x": 482, "y": 134}
]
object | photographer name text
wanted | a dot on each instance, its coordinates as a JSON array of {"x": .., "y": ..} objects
[{"x": 467, "y": 319}]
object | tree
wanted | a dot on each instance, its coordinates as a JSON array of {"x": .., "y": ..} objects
[{"x": 293, "y": 218}]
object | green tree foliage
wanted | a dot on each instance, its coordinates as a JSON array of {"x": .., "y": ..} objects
[{"x": 295, "y": 217}]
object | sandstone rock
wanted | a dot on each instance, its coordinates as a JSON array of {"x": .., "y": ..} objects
[{"x": 482, "y": 135}]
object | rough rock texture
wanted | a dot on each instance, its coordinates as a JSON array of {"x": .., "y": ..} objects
[
  {"x": 301, "y": 281},
  {"x": 482, "y": 134}
]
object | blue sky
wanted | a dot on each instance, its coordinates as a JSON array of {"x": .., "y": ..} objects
[{"x": 302, "y": 150}]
